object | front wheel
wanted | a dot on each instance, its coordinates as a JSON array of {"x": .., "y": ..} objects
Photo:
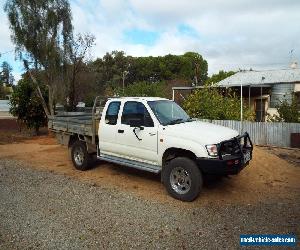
[
  {"x": 182, "y": 179},
  {"x": 80, "y": 156}
]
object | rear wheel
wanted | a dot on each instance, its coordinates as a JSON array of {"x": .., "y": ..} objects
[
  {"x": 182, "y": 179},
  {"x": 80, "y": 156}
]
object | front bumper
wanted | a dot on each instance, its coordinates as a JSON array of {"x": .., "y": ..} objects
[{"x": 229, "y": 164}]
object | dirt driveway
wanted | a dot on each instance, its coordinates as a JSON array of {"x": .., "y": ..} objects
[
  {"x": 267, "y": 175},
  {"x": 47, "y": 204}
]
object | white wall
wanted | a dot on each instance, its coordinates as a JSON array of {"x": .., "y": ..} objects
[{"x": 297, "y": 87}]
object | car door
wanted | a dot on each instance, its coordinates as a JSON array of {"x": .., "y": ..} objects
[
  {"x": 135, "y": 143},
  {"x": 108, "y": 128}
]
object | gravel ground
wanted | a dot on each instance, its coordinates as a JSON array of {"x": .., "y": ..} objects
[{"x": 43, "y": 210}]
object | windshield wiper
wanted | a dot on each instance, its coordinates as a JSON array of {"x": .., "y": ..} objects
[
  {"x": 190, "y": 120},
  {"x": 174, "y": 121}
]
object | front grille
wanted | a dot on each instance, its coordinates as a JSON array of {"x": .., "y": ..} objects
[
  {"x": 231, "y": 147},
  {"x": 235, "y": 147}
]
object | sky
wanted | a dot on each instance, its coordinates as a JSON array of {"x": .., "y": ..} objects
[{"x": 230, "y": 35}]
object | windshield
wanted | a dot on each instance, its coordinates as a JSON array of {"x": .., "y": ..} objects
[{"x": 168, "y": 112}]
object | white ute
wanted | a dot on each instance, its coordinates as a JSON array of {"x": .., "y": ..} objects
[{"x": 155, "y": 135}]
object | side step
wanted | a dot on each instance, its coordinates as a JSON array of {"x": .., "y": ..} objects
[{"x": 130, "y": 163}]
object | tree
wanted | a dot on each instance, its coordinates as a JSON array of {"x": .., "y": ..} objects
[
  {"x": 6, "y": 80},
  {"x": 143, "y": 89},
  {"x": 190, "y": 67},
  {"x": 42, "y": 30},
  {"x": 26, "y": 105},
  {"x": 2, "y": 92},
  {"x": 6, "y": 76},
  {"x": 215, "y": 78},
  {"x": 77, "y": 60},
  {"x": 112, "y": 69},
  {"x": 210, "y": 103},
  {"x": 195, "y": 67}
]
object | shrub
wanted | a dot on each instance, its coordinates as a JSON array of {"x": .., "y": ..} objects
[
  {"x": 287, "y": 112},
  {"x": 26, "y": 106},
  {"x": 211, "y": 103}
]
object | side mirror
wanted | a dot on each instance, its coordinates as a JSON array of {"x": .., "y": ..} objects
[{"x": 136, "y": 124}]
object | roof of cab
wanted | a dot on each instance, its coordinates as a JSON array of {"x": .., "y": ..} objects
[{"x": 138, "y": 98}]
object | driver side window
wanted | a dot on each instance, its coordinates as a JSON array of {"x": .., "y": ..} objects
[{"x": 138, "y": 112}]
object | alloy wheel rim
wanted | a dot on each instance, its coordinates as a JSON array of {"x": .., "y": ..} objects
[
  {"x": 78, "y": 156},
  {"x": 180, "y": 180}
]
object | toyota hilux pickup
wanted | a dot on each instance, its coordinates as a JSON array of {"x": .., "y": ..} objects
[{"x": 156, "y": 135}]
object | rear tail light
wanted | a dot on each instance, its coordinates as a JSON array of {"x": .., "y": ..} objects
[{"x": 229, "y": 163}]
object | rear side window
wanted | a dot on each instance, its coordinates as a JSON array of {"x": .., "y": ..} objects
[
  {"x": 136, "y": 111},
  {"x": 112, "y": 112}
]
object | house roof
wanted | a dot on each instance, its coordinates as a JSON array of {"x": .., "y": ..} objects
[{"x": 261, "y": 78}]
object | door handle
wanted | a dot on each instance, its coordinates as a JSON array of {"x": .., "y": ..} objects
[
  {"x": 120, "y": 131},
  {"x": 136, "y": 134},
  {"x": 151, "y": 134}
]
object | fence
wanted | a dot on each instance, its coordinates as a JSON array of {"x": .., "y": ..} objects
[{"x": 263, "y": 133}]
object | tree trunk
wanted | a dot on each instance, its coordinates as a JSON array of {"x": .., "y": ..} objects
[
  {"x": 39, "y": 93},
  {"x": 38, "y": 90},
  {"x": 51, "y": 99},
  {"x": 72, "y": 103},
  {"x": 36, "y": 130}
]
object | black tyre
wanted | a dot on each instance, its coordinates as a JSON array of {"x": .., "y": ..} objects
[
  {"x": 182, "y": 179},
  {"x": 80, "y": 157}
]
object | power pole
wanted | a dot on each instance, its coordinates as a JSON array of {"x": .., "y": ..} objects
[{"x": 124, "y": 74}]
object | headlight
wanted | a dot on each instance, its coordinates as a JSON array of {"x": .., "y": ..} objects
[{"x": 212, "y": 150}]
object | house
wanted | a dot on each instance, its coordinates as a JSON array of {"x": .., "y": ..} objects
[{"x": 263, "y": 90}]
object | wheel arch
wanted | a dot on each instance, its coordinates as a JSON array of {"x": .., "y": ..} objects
[
  {"x": 174, "y": 152},
  {"x": 91, "y": 148},
  {"x": 73, "y": 138}
]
